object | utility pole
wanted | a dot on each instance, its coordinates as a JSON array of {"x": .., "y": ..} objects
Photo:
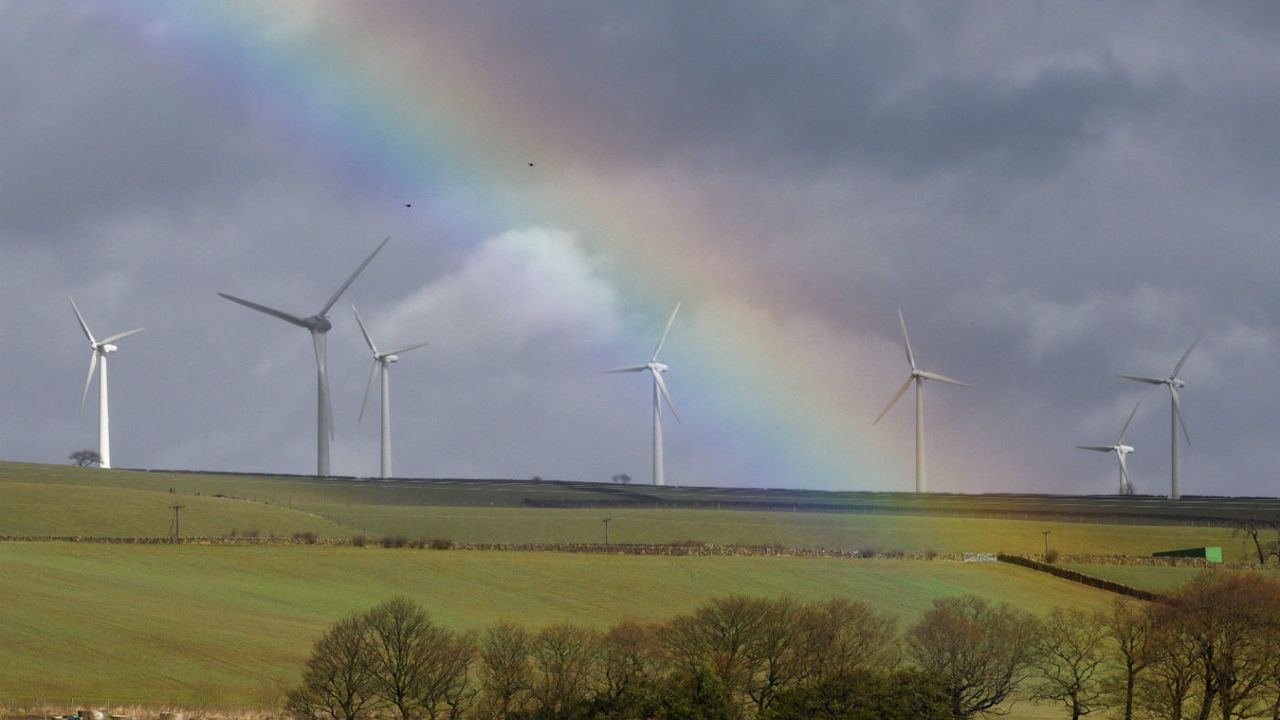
[
  {"x": 606, "y": 522},
  {"x": 1046, "y": 544},
  {"x": 177, "y": 528}
]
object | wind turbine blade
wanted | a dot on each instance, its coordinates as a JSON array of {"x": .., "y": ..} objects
[
  {"x": 1178, "y": 368},
  {"x": 373, "y": 375},
  {"x": 1177, "y": 410},
  {"x": 268, "y": 310},
  {"x": 906, "y": 341},
  {"x": 1142, "y": 379},
  {"x": 658, "y": 348},
  {"x": 1096, "y": 448},
  {"x": 902, "y": 390},
  {"x": 1125, "y": 429},
  {"x": 83, "y": 325},
  {"x": 402, "y": 351},
  {"x": 121, "y": 336},
  {"x": 352, "y": 279},
  {"x": 368, "y": 340},
  {"x": 943, "y": 378},
  {"x": 633, "y": 368},
  {"x": 662, "y": 387},
  {"x": 93, "y": 365}
]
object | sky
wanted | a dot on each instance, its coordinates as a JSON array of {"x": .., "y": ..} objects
[{"x": 1051, "y": 193}]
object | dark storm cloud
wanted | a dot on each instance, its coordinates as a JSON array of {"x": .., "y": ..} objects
[{"x": 1053, "y": 193}]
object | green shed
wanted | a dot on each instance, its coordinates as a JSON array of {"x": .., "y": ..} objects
[{"x": 1208, "y": 554}]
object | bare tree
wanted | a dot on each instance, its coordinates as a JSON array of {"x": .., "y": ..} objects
[
  {"x": 564, "y": 662},
  {"x": 1070, "y": 657},
  {"x": 337, "y": 683},
  {"x": 978, "y": 653},
  {"x": 844, "y": 636},
  {"x": 1233, "y": 623},
  {"x": 1251, "y": 527},
  {"x": 717, "y": 637},
  {"x": 1128, "y": 627},
  {"x": 628, "y": 664},
  {"x": 420, "y": 669},
  {"x": 505, "y": 671},
  {"x": 1171, "y": 669}
]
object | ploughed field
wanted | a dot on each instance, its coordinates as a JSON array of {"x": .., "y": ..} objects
[
  {"x": 48, "y": 500},
  {"x": 230, "y": 626}
]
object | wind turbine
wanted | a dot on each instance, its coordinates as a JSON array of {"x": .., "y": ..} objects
[
  {"x": 98, "y": 351},
  {"x": 1121, "y": 450},
  {"x": 659, "y": 395},
  {"x": 317, "y": 325},
  {"x": 381, "y": 362},
  {"x": 918, "y": 377},
  {"x": 1174, "y": 383}
]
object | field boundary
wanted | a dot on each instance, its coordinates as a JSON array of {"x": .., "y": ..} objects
[{"x": 1083, "y": 579}]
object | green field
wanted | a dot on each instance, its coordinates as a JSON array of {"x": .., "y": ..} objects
[
  {"x": 229, "y": 626},
  {"x": 58, "y": 500}
]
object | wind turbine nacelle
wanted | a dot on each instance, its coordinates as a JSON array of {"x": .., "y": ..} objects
[
  {"x": 659, "y": 367},
  {"x": 109, "y": 348},
  {"x": 1179, "y": 384},
  {"x": 390, "y": 359},
  {"x": 319, "y": 323},
  {"x": 1124, "y": 449}
]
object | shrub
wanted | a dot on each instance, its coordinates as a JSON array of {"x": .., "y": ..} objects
[
  {"x": 306, "y": 537},
  {"x": 394, "y": 541},
  {"x": 1051, "y": 557},
  {"x": 441, "y": 544},
  {"x": 359, "y": 540},
  {"x": 417, "y": 543}
]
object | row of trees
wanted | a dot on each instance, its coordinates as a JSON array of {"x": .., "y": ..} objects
[{"x": 1212, "y": 651}]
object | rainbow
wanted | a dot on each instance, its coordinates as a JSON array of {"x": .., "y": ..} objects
[{"x": 390, "y": 99}]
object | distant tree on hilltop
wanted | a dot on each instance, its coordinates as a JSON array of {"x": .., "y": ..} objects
[{"x": 85, "y": 458}]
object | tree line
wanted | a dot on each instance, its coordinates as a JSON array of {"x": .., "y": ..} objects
[{"x": 1212, "y": 650}]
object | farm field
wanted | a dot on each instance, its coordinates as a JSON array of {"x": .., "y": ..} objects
[
  {"x": 1154, "y": 579},
  {"x": 59, "y": 500},
  {"x": 230, "y": 626}
]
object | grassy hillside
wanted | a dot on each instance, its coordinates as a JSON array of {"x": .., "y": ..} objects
[
  {"x": 59, "y": 500},
  {"x": 230, "y": 625}
]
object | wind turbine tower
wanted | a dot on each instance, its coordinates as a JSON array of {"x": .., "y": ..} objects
[
  {"x": 660, "y": 394},
  {"x": 916, "y": 377},
  {"x": 98, "y": 350},
  {"x": 381, "y": 364},
  {"x": 317, "y": 325},
  {"x": 1174, "y": 383},
  {"x": 1121, "y": 450}
]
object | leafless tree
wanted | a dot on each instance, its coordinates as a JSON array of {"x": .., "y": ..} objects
[
  {"x": 420, "y": 669},
  {"x": 504, "y": 669},
  {"x": 718, "y": 637},
  {"x": 564, "y": 665},
  {"x": 977, "y": 652},
  {"x": 1128, "y": 628},
  {"x": 1069, "y": 660},
  {"x": 845, "y": 636},
  {"x": 628, "y": 663},
  {"x": 337, "y": 683}
]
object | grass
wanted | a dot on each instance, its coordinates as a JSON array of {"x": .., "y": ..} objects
[
  {"x": 231, "y": 626},
  {"x": 60, "y": 500},
  {"x": 1153, "y": 579}
]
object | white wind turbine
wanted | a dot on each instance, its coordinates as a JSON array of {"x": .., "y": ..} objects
[
  {"x": 98, "y": 350},
  {"x": 381, "y": 363},
  {"x": 1174, "y": 383},
  {"x": 317, "y": 325},
  {"x": 659, "y": 395},
  {"x": 918, "y": 377},
  {"x": 1121, "y": 450}
]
